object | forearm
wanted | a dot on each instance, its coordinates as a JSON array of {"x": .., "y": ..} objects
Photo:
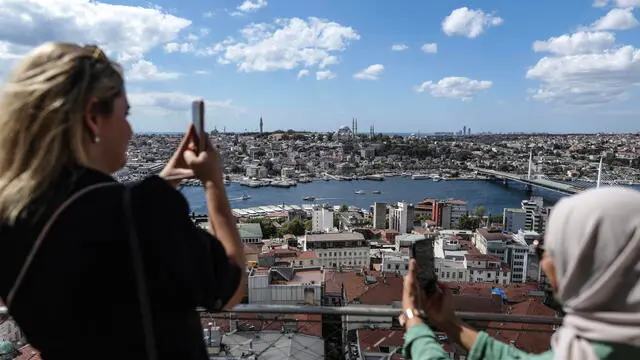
[
  {"x": 223, "y": 226},
  {"x": 221, "y": 221},
  {"x": 462, "y": 334}
]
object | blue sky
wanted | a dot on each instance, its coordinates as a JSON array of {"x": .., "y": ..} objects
[{"x": 485, "y": 71}]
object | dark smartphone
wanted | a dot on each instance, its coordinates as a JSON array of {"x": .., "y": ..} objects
[
  {"x": 422, "y": 252},
  {"x": 197, "y": 113}
]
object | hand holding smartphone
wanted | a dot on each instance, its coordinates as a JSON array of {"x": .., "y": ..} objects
[{"x": 197, "y": 114}]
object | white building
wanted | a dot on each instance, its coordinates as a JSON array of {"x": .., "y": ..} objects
[
  {"x": 348, "y": 249},
  {"x": 401, "y": 217},
  {"x": 286, "y": 285},
  {"x": 321, "y": 219},
  {"x": 487, "y": 269}
]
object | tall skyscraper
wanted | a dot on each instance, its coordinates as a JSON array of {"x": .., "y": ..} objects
[
  {"x": 464, "y": 130},
  {"x": 261, "y": 125}
]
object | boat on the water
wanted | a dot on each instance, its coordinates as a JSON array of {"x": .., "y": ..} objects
[
  {"x": 245, "y": 196},
  {"x": 359, "y": 192},
  {"x": 309, "y": 198},
  {"x": 376, "y": 192}
]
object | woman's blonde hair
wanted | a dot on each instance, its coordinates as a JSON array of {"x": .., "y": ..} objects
[{"x": 43, "y": 104}]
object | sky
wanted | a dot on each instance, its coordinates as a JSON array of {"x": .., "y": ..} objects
[{"x": 400, "y": 66}]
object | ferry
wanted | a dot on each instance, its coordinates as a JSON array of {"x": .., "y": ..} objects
[
  {"x": 376, "y": 192},
  {"x": 309, "y": 198},
  {"x": 359, "y": 192}
]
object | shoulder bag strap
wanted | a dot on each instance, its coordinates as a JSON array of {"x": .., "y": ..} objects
[
  {"x": 43, "y": 234},
  {"x": 141, "y": 284}
]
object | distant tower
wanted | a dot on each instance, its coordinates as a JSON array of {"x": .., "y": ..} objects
[
  {"x": 261, "y": 125},
  {"x": 469, "y": 131},
  {"x": 356, "y": 130},
  {"x": 464, "y": 130},
  {"x": 353, "y": 126}
]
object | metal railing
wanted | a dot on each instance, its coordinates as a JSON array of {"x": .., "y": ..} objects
[{"x": 373, "y": 312}]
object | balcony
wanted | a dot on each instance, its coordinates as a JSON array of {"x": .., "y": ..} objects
[{"x": 352, "y": 332}]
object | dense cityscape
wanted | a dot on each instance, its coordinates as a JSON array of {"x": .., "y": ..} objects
[{"x": 314, "y": 253}]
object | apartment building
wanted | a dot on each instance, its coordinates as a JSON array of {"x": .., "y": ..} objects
[
  {"x": 514, "y": 219},
  {"x": 401, "y": 217},
  {"x": 321, "y": 219},
  {"x": 379, "y": 215},
  {"x": 338, "y": 249},
  {"x": 487, "y": 269},
  {"x": 447, "y": 213}
]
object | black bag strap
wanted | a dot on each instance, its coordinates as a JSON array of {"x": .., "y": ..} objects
[
  {"x": 141, "y": 284},
  {"x": 136, "y": 257}
]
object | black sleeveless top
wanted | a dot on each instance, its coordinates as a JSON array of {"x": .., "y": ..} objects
[{"x": 78, "y": 299}]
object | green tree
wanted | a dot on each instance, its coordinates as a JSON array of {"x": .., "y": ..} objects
[
  {"x": 468, "y": 223},
  {"x": 295, "y": 227},
  {"x": 308, "y": 225},
  {"x": 496, "y": 219},
  {"x": 480, "y": 210},
  {"x": 344, "y": 208}
]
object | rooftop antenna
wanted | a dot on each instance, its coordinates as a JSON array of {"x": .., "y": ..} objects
[{"x": 599, "y": 172}]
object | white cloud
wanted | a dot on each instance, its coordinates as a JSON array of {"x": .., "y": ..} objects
[
  {"x": 617, "y": 19},
  {"x": 174, "y": 47},
  {"x": 302, "y": 73},
  {"x": 8, "y": 51},
  {"x": 201, "y": 72},
  {"x": 399, "y": 47},
  {"x": 582, "y": 42},
  {"x": 145, "y": 70},
  {"x": 286, "y": 45},
  {"x": 455, "y": 87},
  {"x": 252, "y": 5},
  {"x": 325, "y": 75},
  {"x": 469, "y": 23},
  {"x": 617, "y": 3},
  {"x": 372, "y": 72},
  {"x": 127, "y": 33},
  {"x": 431, "y": 48},
  {"x": 175, "y": 102},
  {"x": 587, "y": 79}
]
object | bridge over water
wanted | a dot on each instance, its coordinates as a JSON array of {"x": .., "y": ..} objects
[{"x": 548, "y": 184}]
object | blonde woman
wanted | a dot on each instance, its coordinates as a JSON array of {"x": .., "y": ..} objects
[{"x": 91, "y": 268}]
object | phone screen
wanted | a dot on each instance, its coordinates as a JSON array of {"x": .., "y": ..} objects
[
  {"x": 422, "y": 252},
  {"x": 197, "y": 113}
]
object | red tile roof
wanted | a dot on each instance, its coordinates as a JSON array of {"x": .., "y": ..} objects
[
  {"x": 532, "y": 338},
  {"x": 371, "y": 340}
]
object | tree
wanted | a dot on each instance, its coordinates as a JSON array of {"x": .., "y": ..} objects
[
  {"x": 496, "y": 219},
  {"x": 308, "y": 225},
  {"x": 468, "y": 223},
  {"x": 344, "y": 208},
  {"x": 295, "y": 227},
  {"x": 480, "y": 210}
]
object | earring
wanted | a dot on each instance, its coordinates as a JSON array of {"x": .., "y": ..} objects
[{"x": 96, "y": 139}]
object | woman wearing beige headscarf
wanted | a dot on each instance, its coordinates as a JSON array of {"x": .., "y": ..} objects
[{"x": 592, "y": 260}]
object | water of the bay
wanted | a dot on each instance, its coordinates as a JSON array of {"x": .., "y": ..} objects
[{"x": 493, "y": 195}]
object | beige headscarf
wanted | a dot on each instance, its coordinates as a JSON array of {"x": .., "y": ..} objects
[{"x": 594, "y": 241}]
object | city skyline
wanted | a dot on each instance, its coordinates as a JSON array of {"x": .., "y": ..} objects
[{"x": 500, "y": 67}]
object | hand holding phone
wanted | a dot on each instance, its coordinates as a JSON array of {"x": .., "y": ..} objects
[{"x": 197, "y": 113}]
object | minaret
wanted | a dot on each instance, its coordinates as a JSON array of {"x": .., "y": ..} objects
[
  {"x": 261, "y": 125},
  {"x": 356, "y": 131},
  {"x": 353, "y": 126}
]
